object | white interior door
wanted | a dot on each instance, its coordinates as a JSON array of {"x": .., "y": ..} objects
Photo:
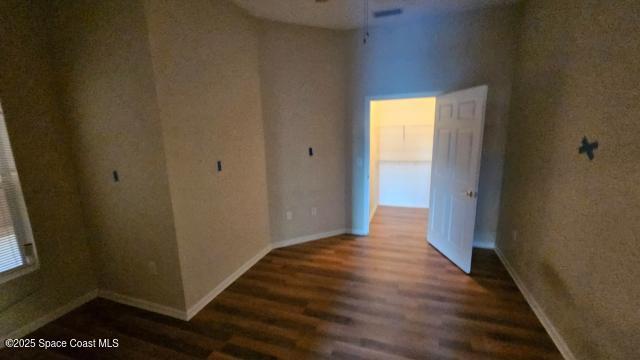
[{"x": 455, "y": 171}]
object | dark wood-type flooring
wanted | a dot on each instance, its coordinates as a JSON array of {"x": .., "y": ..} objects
[{"x": 386, "y": 296}]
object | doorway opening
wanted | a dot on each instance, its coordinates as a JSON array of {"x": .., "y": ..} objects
[
  {"x": 400, "y": 153},
  {"x": 423, "y": 152}
]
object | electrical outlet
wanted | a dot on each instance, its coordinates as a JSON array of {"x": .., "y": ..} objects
[
  {"x": 153, "y": 269},
  {"x": 314, "y": 211},
  {"x": 289, "y": 215}
]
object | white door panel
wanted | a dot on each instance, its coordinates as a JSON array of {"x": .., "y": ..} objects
[
  {"x": 456, "y": 168},
  {"x": 441, "y": 148},
  {"x": 464, "y": 151}
]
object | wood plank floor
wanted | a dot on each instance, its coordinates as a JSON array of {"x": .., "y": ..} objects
[{"x": 385, "y": 296}]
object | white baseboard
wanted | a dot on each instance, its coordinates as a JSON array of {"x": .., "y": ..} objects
[
  {"x": 307, "y": 238},
  {"x": 163, "y": 309},
  {"x": 546, "y": 322},
  {"x": 193, "y": 310},
  {"x": 43, "y": 320},
  {"x": 143, "y": 304}
]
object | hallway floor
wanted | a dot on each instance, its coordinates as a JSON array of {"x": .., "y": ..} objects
[{"x": 386, "y": 296}]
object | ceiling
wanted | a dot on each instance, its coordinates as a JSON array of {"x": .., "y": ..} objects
[{"x": 349, "y": 14}]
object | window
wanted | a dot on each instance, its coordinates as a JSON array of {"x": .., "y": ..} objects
[{"x": 17, "y": 249}]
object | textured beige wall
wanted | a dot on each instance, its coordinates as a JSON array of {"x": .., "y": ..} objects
[
  {"x": 205, "y": 60},
  {"x": 578, "y": 221},
  {"x": 106, "y": 81},
  {"x": 438, "y": 54},
  {"x": 40, "y": 142},
  {"x": 304, "y": 91}
]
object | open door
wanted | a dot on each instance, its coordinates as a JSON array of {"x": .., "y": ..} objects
[{"x": 455, "y": 172}]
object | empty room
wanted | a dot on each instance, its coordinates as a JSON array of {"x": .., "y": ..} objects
[{"x": 319, "y": 179}]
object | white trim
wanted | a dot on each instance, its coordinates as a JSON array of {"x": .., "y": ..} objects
[
  {"x": 143, "y": 304},
  {"x": 375, "y": 208},
  {"x": 366, "y": 139},
  {"x": 193, "y": 310},
  {"x": 163, "y": 309},
  {"x": 307, "y": 238},
  {"x": 537, "y": 309},
  {"x": 18, "y": 272},
  {"x": 51, "y": 316}
]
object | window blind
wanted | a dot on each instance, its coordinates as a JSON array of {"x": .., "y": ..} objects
[
  {"x": 16, "y": 244},
  {"x": 10, "y": 256}
]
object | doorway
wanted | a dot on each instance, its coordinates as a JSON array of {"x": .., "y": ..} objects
[{"x": 400, "y": 144}]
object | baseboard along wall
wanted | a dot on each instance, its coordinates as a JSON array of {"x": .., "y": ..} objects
[{"x": 537, "y": 309}]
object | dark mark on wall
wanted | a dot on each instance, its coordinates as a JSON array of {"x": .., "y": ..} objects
[{"x": 588, "y": 148}]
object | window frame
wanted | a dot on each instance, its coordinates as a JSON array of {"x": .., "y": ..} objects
[{"x": 22, "y": 225}]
